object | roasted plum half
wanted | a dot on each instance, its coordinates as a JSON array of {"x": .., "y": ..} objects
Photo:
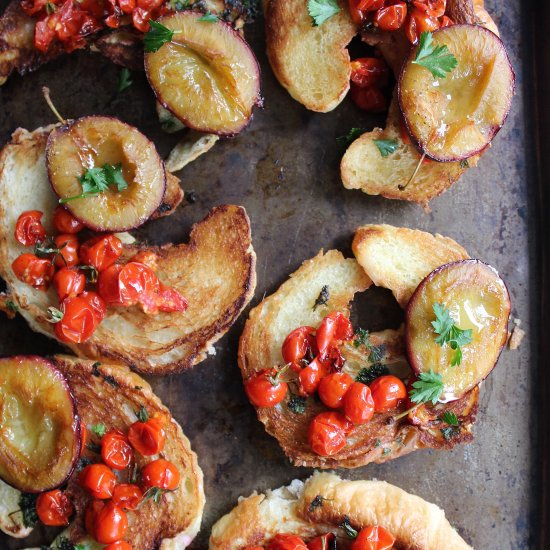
[
  {"x": 455, "y": 117},
  {"x": 40, "y": 435},
  {"x": 207, "y": 76},
  {"x": 477, "y": 300},
  {"x": 93, "y": 142}
]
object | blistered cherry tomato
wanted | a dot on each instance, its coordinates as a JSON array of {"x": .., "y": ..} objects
[
  {"x": 69, "y": 282},
  {"x": 65, "y": 222},
  {"x": 161, "y": 298},
  {"x": 29, "y": 229},
  {"x": 445, "y": 22},
  {"x": 358, "y": 403},
  {"x": 111, "y": 523},
  {"x": 369, "y": 71},
  {"x": 101, "y": 251},
  {"x": 37, "y": 272},
  {"x": 54, "y": 508},
  {"x": 333, "y": 388},
  {"x": 147, "y": 257},
  {"x": 68, "y": 250},
  {"x": 297, "y": 345},
  {"x": 116, "y": 450},
  {"x": 78, "y": 322},
  {"x": 359, "y": 8},
  {"x": 433, "y": 8},
  {"x": 322, "y": 542},
  {"x": 124, "y": 285},
  {"x": 284, "y": 541},
  {"x": 334, "y": 327},
  {"x": 417, "y": 23},
  {"x": 374, "y": 537},
  {"x": 90, "y": 515},
  {"x": 148, "y": 438},
  {"x": 265, "y": 389},
  {"x": 160, "y": 473},
  {"x": 310, "y": 377},
  {"x": 370, "y": 99},
  {"x": 387, "y": 392},
  {"x": 327, "y": 433},
  {"x": 119, "y": 545},
  {"x": 392, "y": 17},
  {"x": 98, "y": 480},
  {"x": 96, "y": 303},
  {"x": 127, "y": 496}
]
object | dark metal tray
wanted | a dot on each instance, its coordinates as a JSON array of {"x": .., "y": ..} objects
[{"x": 284, "y": 170}]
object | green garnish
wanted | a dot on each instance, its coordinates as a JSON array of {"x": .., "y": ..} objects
[
  {"x": 316, "y": 503},
  {"x": 428, "y": 387},
  {"x": 362, "y": 338},
  {"x": 54, "y": 315},
  {"x": 351, "y": 136},
  {"x": 448, "y": 333},
  {"x": 124, "y": 80},
  {"x": 386, "y": 146},
  {"x": 99, "y": 429},
  {"x": 156, "y": 36},
  {"x": 368, "y": 375},
  {"x": 321, "y": 10},
  {"x": 437, "y": 59},
  {"x": 448, "y": 432},
  {"x": 348, "y": 529},
  {"x": 208, "y": 17},
  {"x": 27, "y": 505},
  {"x": 142, "y": 414},
  {"x": 297, "y": 404},
  {"x": 97, "y": 180},
  {"x": 154, "y": 493},
  {"x": 464, "y": 163},
  {"x": 323, "y": 298},
  {"x": 450, "y": 418},
  {"x": 12, "y": 306}
]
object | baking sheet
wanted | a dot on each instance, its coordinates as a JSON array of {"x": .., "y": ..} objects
[{"x": 284, "y": 170}]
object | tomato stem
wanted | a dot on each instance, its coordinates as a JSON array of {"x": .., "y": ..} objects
[
  {"x": 416, "y": 170},
  {"x": 46, "y": 93},
  {"x": 407, "y": 412}
]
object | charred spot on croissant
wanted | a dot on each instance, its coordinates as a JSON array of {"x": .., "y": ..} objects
[
  {"x": 297, "y": 404},
  {"x": 95, "y": 369},
  {"x": 111, "y": 380}
]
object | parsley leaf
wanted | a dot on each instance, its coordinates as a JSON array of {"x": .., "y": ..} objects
[
  {"x": 450, "y": 418},
  {"x": 208, "y": 17},
  {"x": 142, "y": 414},
  {"x": 437, "y": 59},
  {"x": 99, "y": 429},
  {"x": 368, "y": 375},
  {"x": 297, "y": 404},
  {"x": 323, "y": 298},
  {"x": 448, "y": 333},
  {"x": 386, "y": 146},
  {"x": 428, "y": 387},
  {"x": 97, "y": 180},
  {"x": 351, "y": 136},
  {"x": 124, "y": 80},
  {"x": 362, "y": 338},
  {"x": 156, "y": 36},
  {"x": 321, "y": 10},
  {"x": 114, "y": 176}
]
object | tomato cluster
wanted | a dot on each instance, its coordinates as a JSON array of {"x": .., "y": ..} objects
[
  {"x": 315, "y": 356},
  {"x": 369, "y": 77},
  {"x": 416, "y": 16},
  {"x": 374, "y": 537},
  {"x": 69, "y": 22},
  {"x": 106, "y": 518},
  {"x": 63, "y": 262}
]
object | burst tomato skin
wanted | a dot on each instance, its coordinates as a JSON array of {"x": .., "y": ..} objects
[
  {"x": 79, "y": 321},
  {"x": 160, "y": 473},
  {"x": 369, "y": 99},
  {"x": 264, "y": 389},
  {"x": 310, "y": 377},
  {"x": 98, "y": 480},
  {"x": 127, "y": 496},
  {"x": 359, "y": 8},
  {"x": 392, "y": 17},
  {"x": 387, "y": 392},
  {"x": 65, "y": 222},
  {"x": 297, "y": 345},
  {"x": 54, "y": 508},
  {"x": 68, "y": 250},
  {"x": 111, "y": 523},
  {"x": 284, "y": 541},
  {"x": 369, "y": 71},
  {"x": 147, "y": 438},
  {"x": 327, "y": 433},
  {"x": 69, "y": 283},
  {"x": 417, "y": 23},
  {"x": 333, "y": 388},
  {"x": 334, "y": 327},
  {"x": 322, "y": 542},
  {"x": 101, "y": 251},
  {"x": 116, "y": 450},
  {"x": 36, "y": 272},
  {"x": 119, "y": 545},
  {"x": 29, "y": 229},
  {"x": 96, "y": 303},
  {"x": 358, "y": 403},
  {"x": 433, "y": 8},
  {"x": 374, "y": 537}
]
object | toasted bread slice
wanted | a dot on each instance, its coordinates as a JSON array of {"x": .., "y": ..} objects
[
  {"x": 399, "y": 258},
  {"x": 415, "y": 523},
  {"x": 383, "y": 438},
  {"x": 215, "y": 272},
  {"x": 312, "y": 63},
  {"x": 111, "y": 395}
]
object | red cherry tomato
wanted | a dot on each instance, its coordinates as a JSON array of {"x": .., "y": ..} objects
[
  {"x": 90, "y": 515},
  {"x": 327, "y": 433},
  {"x": 96, "y": 303},
  {"x": 126, "y": 285},
  {"x": 333, "y": 388},
  {"x": 127, "y": 496},
  {"x": 54, "y": 508},
  {"x": 322, "y": 542},
  {"x": 78, "y": 323},
  {"x": 101, "y": 251},
  {"x": 116, "y": 451},
  {"x": 359, "y": 8},
  {"x": 392, "y": 17},
  {"x": 111, "y": 523},
  {"x": 98, "y": 480},
  {"x": 160, "y": 473},
  {"x": 148, "y": 438},
  {"x": 65, "y": 222},
  {"x": 417, "y": 23},
  {"x": 433, "y": 8},
  {"x": 358, "y": 403},
  {"x": 310, "y": 377},
  {"x": 297, "y": 345},
  {"x": 387, "y": 392},
  {"x": 445, "y": 22},
  {"x": 29, "y": 229},
  {"x": 37, "y": 272},
  {"x": 371, "y": 99},
  {"x": 265, "y": 389},
  {"x": 373, "y": 538},
  {"x": 160, "y": 297},
  {"x": 119, "y": 545},
  {"x": 69, "y": 282},
  {"x": 68, "y": 250},
  {"x": 286, "y": 542},
  {"x": 334, "y": 327},
  {"x": 369, "y": 71}
]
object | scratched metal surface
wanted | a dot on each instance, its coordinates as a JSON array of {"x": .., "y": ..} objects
[{"x": 284, "y": 170}]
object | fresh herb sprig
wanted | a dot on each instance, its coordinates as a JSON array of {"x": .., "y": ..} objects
[
  {"x": 157, "y": 36},
  {"x": 428, "y": 387},
  {"x": 448, "y": 333},
  {"x": 208, "y": 17},
  {"x": 124, "y": 80},
  {"x": 386, "y": 146},
  {"x": 352, "y": 135},
  {"x": 437, "y": 59},
  {"x": 321, "y": 10},
  {"x": 97, "y": 180},
  {"x": 323, "y": 298}
]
